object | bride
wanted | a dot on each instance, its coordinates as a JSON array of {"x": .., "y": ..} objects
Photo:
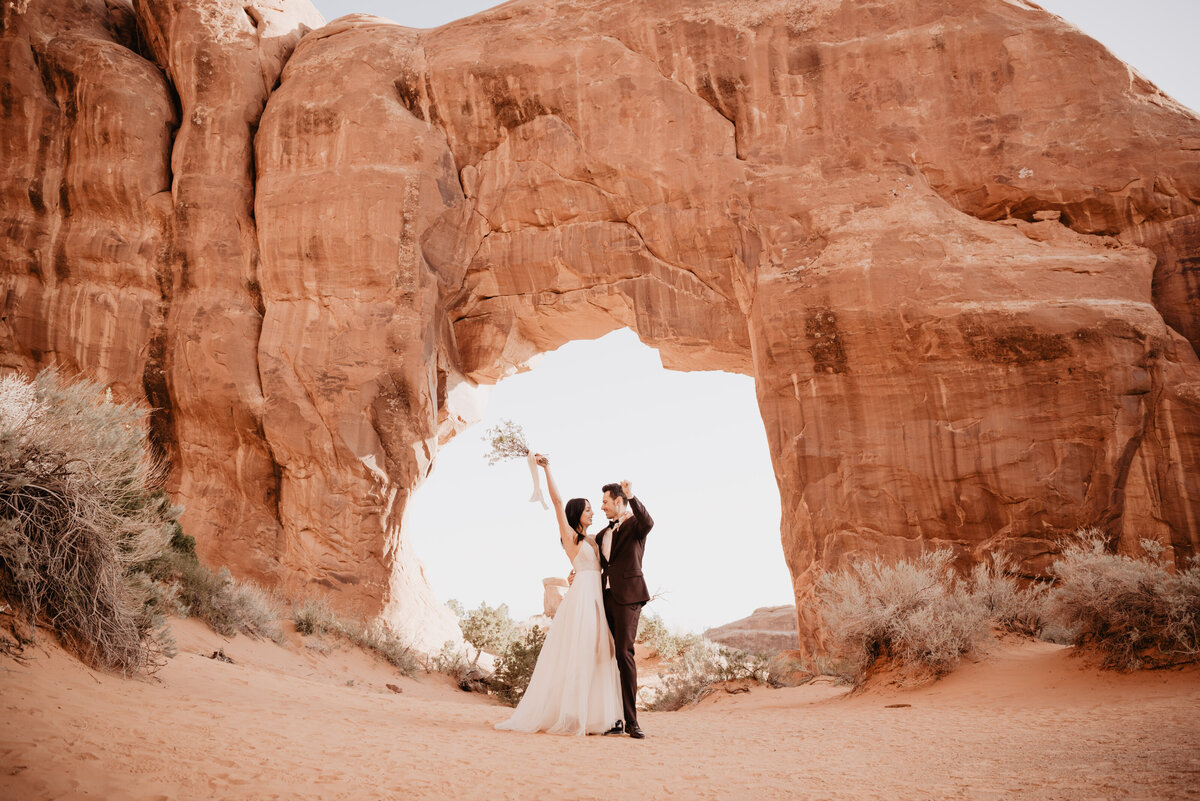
[{"x": 575, "y": 688}]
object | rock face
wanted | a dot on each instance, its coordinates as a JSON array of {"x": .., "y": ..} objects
[
  {"x": 768, "y": 629},
  {"x": 956, "y": 243}
]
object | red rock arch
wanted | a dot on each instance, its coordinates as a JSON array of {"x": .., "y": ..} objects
[{"x": 955, "y": 311}]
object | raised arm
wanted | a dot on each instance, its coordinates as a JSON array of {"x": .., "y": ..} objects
[
  {"x": 565, "y": 534},
  {"x": 641, "y": 517}
]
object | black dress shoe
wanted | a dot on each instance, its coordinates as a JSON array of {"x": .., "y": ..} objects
[
  {"x": 617, "y": 729},
  {"x": 636, "y": 733}
]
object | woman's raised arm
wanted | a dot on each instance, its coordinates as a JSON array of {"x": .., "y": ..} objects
[{"x": 565, "y": 534}]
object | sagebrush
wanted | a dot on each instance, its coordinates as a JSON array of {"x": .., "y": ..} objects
[
  {"x": 452, "y": 661},
  {"x": 702, "y": 666},
  {"x": 1009, "y": 606},
  {"x": 791, "y": 669},
  {"x": 230, "y": 606},
  {"x": 694, "y": 666},
  {"x": 1134, "y": 611},
  {"x": 915, "y": 611},
  {"x": 81, "y": 505},
  {"x": 652, "y": 631},
  {"x": 314, "y": 617}
]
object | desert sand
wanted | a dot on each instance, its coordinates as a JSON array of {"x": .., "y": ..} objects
[{"x": 1027, "y": 721}]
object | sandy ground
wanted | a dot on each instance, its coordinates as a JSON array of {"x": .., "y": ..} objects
[{"x": 1028, "y": 722}]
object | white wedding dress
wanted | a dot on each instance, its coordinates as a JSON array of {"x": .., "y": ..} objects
[{"x": 575, "y": 688}]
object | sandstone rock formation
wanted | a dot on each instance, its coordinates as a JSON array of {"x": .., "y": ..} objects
[
  {"x": 955, "y": 242},
  {"x": 554, "y": 589},
  {"x": 768, "y": 629}
]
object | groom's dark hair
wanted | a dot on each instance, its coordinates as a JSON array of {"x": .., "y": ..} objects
[{"x": 614, "y": 491}]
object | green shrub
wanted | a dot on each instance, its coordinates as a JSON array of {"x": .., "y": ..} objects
[
  {"x": 514, "y": 667},
  {"x": 916, "y": 612},
  {"x": 80, "y": 506},
  {"x": 1133, "y": 611}
]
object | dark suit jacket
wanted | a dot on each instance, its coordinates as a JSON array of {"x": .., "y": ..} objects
[{"x": 622, "y": 571}]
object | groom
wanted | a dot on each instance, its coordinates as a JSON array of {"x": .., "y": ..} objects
[{"x": 622, "y": 543}]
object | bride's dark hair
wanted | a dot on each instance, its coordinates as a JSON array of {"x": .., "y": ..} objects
[{"x": 574, "y": 510}]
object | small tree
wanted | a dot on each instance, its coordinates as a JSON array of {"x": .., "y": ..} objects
[{"x": 488, "y": 629}]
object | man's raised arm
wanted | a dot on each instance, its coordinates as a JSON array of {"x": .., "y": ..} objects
[{"x": 644, "y": 521}]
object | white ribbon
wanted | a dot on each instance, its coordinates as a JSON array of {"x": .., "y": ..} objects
[{"x": 536, "y": 497}]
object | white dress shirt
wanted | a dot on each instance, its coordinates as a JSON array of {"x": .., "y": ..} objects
[{"x": 606, "y": 546}]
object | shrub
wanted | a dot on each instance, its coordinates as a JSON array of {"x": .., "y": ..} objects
[
  {"x": 450, "y": 660},
  {"x": 453, "y": 662},
  {"x": 386, "y": 644},
  {"x": 159, "y": 601},
  {"x": 1131, "y": 610},
  {"x": 915, "y": 612},
  {"x": 514, "y": 667},
  {"x": 791, "y": 669},
  {"x": 695, "y": 664},
  {"x": 243, "y": 606},
  {"x": 80, "y": 506},
  {"x": 703, "y": 665},
  {"x": 1007, "y": 605},
  {"x": 654, "y": 632},
  {"x": 314, "y": 617},
  {"x": 227, "y": 604},
  {"x": 488, "y": 629}
]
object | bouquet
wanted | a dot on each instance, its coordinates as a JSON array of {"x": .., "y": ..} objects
[{"x": 508, "y": 442}]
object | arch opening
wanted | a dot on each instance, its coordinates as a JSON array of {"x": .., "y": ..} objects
[{"x": 692, "y": 443}]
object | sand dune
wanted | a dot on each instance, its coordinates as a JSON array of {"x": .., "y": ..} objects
[{"x": 292, "y": 723}]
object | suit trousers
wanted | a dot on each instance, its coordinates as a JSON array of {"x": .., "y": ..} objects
[{"x": 623, "y": 622}]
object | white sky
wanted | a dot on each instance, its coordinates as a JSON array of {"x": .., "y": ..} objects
[{"x": 693, "y": 444}]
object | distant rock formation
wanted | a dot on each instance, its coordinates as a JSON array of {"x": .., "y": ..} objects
[
  {"x": 956, "y": 243},
  {"x": 766, "y": 630}
]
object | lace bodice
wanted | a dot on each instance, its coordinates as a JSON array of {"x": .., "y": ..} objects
[{"x": 587, "y": 558}]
